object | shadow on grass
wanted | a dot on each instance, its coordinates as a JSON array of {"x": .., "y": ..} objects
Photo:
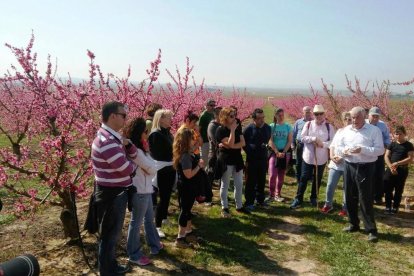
[
  {"x": 396, "y": 238},
  {"x": 237, "y": 241},
  {"x": 181, "y": 267}
]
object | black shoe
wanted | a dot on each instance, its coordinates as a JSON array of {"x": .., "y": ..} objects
[
  {"x": 122, "y": 269},
  {"x": 295, "y": 204},
  {"x": 394, "y": 211},
  {"x": 378, "y": 201},
  {"x": 387, "y": 211},
  {"x": 351, "y": 229},
  {"x": 243, "y": 210},
  {"x": 262, "y": 204},
  {"x": 372, "y": 237}
]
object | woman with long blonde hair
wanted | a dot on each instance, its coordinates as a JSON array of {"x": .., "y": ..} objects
[
  {"x": 188, "y": 166},
  {"x": 160, "y": 143}
]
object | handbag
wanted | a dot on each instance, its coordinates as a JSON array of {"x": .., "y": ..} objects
[
  {"x": 280, "y": 162},
  {"x": 270, "y": 151}
]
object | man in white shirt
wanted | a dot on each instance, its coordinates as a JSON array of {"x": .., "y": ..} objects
[
  {"x": 316, "y": 136},
  {"x": 361, "y": 144}
]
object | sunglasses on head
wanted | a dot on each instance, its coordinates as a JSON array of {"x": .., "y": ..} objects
[{"x": 122, "y": 114}]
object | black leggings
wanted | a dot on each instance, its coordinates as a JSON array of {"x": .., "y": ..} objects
[
  {"x": 394, "y": 186},
  {"x": 186, "y": 196},
  {"x": 165, "y": 180}
]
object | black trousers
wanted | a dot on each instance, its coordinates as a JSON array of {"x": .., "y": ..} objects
[
  {"x": 378, "y": 186},
  {"x": 255, "y": 181},
  {"x": 165, "y": 180},
  {"x": 299, "y": 160},
  {"x": 394, "y": 184},
  {"x": 208, "y": 189},
  {"x": 358, "y": 179},
  {"x": 186, "y": 196}
]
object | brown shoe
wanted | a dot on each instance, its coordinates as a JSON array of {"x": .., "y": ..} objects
[{"x": 182, "y": 243}]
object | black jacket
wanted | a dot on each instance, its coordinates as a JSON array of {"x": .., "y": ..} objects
[{"x": 160, "y": 145}]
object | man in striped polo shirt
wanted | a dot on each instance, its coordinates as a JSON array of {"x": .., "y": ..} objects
[{"x": 112, "y": 165}]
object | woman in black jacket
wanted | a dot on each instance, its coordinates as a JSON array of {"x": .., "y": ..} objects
[{"x": 160, "y": 146}]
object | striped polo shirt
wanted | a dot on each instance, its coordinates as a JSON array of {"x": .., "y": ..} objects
[{"x": 111, "y": 162}]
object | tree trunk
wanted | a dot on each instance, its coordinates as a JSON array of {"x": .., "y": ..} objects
[{"x": 67, "y": 216}]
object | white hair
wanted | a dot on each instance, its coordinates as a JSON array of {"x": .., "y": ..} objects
[{"x": 357, "y": 110}]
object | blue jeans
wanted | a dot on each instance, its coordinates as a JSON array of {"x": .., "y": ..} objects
[
  {"x": 238, "y": 186},
  {"x": 112, "y": 220},
  {"x": 142, "y": 211},
  {"x": 333, "y": 179},
  {"x": 308, "y": 173}
]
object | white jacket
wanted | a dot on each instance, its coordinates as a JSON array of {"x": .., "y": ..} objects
[{"x": 145, "y": 172}]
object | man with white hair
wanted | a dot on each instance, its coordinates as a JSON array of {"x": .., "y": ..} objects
[
  {"x": 374, "y": 119},
  {"x": 297, "y": 145},
  {"x": 316, "y": 137},
  {"x": 361, "y": 143}
]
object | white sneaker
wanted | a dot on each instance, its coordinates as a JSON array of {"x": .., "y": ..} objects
[
  {"x": 270, "y": 199},
  {"x": 279, "y": 199},
  {"x": 160, "y": 233},
  {"x": 166, "y": 222}
]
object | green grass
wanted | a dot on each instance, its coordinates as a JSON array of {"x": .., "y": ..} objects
[
  {"x": 264, "y": 242},
  {"x": 242, "y": 244}
]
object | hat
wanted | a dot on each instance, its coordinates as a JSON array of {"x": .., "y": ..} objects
[
  {"x": 210, "y": 101},
  {"x": 318, "y": 109},
  {"x": 374, "y": 111}
]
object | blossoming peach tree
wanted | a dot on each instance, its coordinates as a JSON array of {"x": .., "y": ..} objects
[
  {"x": 47, "y": 125},
  {"x": 395, "y": 110}
]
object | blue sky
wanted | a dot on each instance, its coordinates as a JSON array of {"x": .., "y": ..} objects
[{"x": 269, "y": 44}]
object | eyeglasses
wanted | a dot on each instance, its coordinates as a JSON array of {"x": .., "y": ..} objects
[
  {"x": 122, "y": 114},
  {"x": 318, "y": 114},
  {"x": 348, "y": 119},
  {"x": 212, "y": 105}
]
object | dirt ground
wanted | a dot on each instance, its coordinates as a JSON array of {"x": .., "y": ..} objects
[{"x": 43, "y": 237}]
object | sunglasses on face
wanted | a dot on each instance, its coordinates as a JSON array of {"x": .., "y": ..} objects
[
  {"x": 318, "y": 114},
  {"x": 122, "y": 114}
]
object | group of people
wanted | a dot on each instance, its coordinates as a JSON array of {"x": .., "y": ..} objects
[
  {"x": 358, "y": 151},
  {"x": 138, "y": 165}
]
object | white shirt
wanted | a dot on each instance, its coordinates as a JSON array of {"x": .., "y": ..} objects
[
  {"x": 309, "y": 135},
  {"x": 145, "y": 173},
  {"x": 369, "y": 138},
  {"x": 332, "y": 164}
]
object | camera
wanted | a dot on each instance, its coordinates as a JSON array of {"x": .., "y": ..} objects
[{"x": 22, "y": 265}]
